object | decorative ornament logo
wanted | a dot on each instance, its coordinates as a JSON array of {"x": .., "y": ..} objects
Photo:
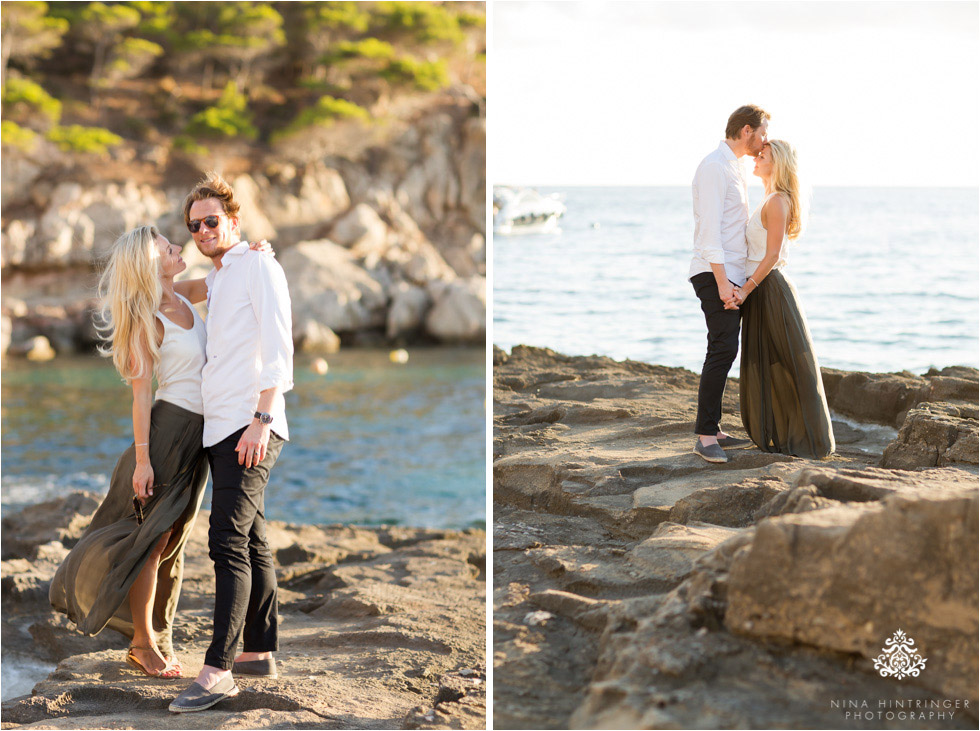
[{"x": 899, "y": 658}]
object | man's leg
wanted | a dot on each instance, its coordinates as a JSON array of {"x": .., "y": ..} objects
[
  {"x": 237, "y": 499},
  {"x": 242, "y": 592},
  {"x": 261, "y": 635},
  {"x": 723, "y": 326}
]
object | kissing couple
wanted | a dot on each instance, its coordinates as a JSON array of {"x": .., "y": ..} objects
[
  {"x": 219, "y": 407},
  {"x": 737, "y": 274}
]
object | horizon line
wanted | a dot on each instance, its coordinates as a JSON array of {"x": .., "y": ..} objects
[{"x": 688, "y": 184}]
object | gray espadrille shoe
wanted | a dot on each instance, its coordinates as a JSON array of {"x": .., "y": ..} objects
[
  {"x": 198, "y": 698},
  {"x": 710, "y": 453},
  {"x": 260, "y": 668},
  {"x": 734, "y": 442}
]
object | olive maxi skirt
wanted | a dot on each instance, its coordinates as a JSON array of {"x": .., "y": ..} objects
[
  {"x": 92, "y": 584},
  {"x": 782, "y": 399}
]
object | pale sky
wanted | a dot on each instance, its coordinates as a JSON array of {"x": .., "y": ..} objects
[{"x": 636, "y": 93}]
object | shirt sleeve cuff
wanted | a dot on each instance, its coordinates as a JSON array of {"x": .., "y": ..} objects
[
  {"x": 714, "y": 256},
  {"x": 276, "y": 378}
]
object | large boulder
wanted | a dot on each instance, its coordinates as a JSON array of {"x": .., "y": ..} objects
[
  {"x": 462, "y": 248},
  {"x": 417, "y": 261},
  {"x": 255, "y": 225},
  {"x": 460, "y": 310},
  {"x": 315, "y": 337},
  {"x": 62, "y": 519},
  {"x": 16, "y": 237},
  {"x": 885, "y": 398},
  {"x": 407, "y": 312},
  {"x": 78, "y": 224},
  {"x": 328, "y": 287},
  {"x": 847, "y": 578},
  {"x": 934, "y": 434},
  {"x": 303, "y": 208},
  {"x": 361, "y": 229},
  {"x": 17, "y": 174},
  {"x": 430, "y": 186}
]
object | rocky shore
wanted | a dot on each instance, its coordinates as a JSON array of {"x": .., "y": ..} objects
[
  {"x": 636, "y": 586},
  {"x": 388, "y": 248},
  {"x": 380, "y": 628}
]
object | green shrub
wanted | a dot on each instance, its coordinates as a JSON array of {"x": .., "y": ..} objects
[
  {"x": 427, "y": 21},
  {"x": 13, "y": 135},
  {"x": 426, "y": 75},
  {"x": 325, "y": 88},
  {"x": 76, "y": 138},
  {"x": 32, "y": 96},
  {"x": 188, "y": 145},
  {"x": 323, "y": 114},
  {"x": 158, "y": 17},
  {"x": 472, "y": 20},
  {"x": 131, "y": 57},
  {"x": 101, "y": 20},
  {"x": 368, "y": 48},
  {"x": 228, "y": 118},
  {"x": 350, "y": 16}
]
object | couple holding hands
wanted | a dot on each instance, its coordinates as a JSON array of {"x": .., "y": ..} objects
[
  {"x": 219, "y": 407},
  {"x": 737, "y": 274}
]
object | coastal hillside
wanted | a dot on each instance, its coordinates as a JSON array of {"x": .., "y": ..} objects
[
  {"x": 636, "y": 586},
  {"x": 353, "y": 133}
]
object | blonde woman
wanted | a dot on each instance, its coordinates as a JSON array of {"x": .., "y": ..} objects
[
  {"x": 784, "y": 408},
  {"x": 125, "y": 571}
]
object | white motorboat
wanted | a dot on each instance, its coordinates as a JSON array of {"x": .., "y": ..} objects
[{"x": 525, "y": 211}]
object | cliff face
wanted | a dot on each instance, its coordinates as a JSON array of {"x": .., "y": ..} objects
[
  {"x": 379, "y": 628},
  {"x": 390, "y": 247},
  {"x": 636, "y": 586}
]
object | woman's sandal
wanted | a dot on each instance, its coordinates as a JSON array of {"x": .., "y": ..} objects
[{"x": 168, "y": 672}]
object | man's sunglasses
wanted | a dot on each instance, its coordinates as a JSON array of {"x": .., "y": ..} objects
[
  {"x": 138, "y": 506},
  {"x": 212, "y": 222}
]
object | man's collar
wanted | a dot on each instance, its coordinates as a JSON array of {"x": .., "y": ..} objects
[
  {"x": 727, "y": 151},
  {"x": 233, "y": 253}
]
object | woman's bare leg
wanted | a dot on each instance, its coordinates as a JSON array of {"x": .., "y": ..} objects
[{"x": 141, "y": 596}]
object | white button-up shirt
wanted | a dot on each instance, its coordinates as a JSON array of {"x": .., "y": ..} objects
[
  {"x": 721, "y": 210},
  {"x": 250, "y": 343}
]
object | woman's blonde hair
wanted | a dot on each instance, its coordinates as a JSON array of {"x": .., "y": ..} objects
[
  {"x": 130, "y": 291},
  {"x": 785, "y": 179}
]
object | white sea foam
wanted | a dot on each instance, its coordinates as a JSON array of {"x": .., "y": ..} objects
[
  {"x": 16, "y": 490},
  {"x": 20, "y": 673}
]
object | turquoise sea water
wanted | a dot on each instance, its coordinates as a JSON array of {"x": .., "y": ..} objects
[
  {"x": 888, "y": 278},
  {"x": 371, "y": 442}
]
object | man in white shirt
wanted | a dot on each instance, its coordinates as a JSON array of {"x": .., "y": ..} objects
[
  {"x": 721, "y": 211},
  {"x": 249, "y": 368}
]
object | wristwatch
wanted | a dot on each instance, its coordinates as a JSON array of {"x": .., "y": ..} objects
[{"x": 263, "y": 417}]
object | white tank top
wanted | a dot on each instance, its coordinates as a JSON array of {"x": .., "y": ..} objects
[
  {"x": 755, "y": 240},
  {"x": 182, "y": 358}
]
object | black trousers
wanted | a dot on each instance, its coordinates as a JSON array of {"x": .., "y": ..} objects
[
  {"x": 245, "y": 596},
  {"x": 722, "y": 348}
]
